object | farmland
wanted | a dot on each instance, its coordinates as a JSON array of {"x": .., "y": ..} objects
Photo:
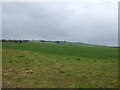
[{"x": 37, "y": 65}]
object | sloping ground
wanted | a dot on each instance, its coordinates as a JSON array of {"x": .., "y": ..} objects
[
  {"x": 35, "y": 67},
  {"x": 77, "y": 51}
]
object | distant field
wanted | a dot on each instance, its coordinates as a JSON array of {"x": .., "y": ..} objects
[{"x": 38, "y": 65}]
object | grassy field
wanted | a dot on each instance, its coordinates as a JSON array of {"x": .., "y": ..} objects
[{"x": 59, "y": 66}]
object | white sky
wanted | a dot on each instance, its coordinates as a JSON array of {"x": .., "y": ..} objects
[{"x": 90, "y": 21}]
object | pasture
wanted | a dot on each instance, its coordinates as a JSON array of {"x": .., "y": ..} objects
[{"x": 38, "y": 65}]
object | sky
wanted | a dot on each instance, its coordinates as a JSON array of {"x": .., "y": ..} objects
[{"x": 94, "y": 22}]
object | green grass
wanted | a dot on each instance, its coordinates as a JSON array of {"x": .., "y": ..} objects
[
  {"x": 78, "y": 51},
  {"x": 59, "y": 66}
]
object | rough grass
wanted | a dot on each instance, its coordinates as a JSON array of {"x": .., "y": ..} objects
[{"x": 58, "y": 66}]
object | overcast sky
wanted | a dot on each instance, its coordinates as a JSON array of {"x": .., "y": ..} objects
[{"x": 93, "y": 22}]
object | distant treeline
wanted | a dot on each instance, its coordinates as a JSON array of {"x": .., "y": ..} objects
[
  {"x": 17, "y": 41},
  {"x": 27, "y": 41},
  {"x": 53, "y": 41}
]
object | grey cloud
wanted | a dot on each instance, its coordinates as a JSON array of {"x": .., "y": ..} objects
[{"x": 61, "y": 21}]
